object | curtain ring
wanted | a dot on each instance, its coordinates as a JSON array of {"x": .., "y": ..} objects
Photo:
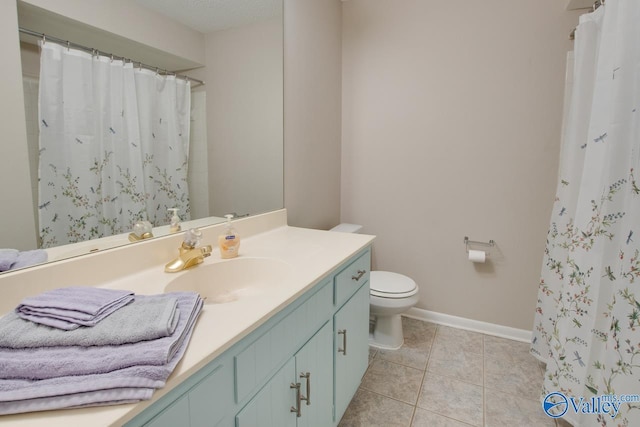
[
  {"x": 68, "y": 44},
  {"x": 112, "y": 58},
  {"x": 44, "y": 38}
]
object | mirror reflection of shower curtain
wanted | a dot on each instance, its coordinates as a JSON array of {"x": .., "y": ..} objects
[
  {"x": 198, "y": 157},
  {"x": 587, "y": 321},
  {"x": 114, "y": 144}
]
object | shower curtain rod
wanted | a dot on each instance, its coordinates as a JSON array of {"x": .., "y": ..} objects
[
  {"x": 93, "y": 51},
  {"x": 596, "y": 4}
]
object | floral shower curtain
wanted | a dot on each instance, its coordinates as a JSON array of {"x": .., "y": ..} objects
[
  {"x": 587, "y": 323},
  {"x": 114, "y": 144}
]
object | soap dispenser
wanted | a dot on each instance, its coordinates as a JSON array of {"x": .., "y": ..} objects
[
  {"x": 174, "y": 227},
  {"x": 229, "y": 242}
]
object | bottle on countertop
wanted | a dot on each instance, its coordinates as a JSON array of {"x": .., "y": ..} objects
[
  {"x": 174, "y": 226},
  {"x": 229, "y": 242}
]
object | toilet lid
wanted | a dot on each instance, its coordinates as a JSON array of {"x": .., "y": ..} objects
[{"x": 391, "y": 285}]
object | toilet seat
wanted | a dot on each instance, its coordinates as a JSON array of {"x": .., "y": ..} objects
[{"x": 385, "y": 284}]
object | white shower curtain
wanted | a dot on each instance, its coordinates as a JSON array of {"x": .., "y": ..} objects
[
  {"x": 114, "y": 144},
  {"x": 587, "y": 322}
]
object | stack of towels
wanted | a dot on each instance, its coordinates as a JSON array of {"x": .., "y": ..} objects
[
  {"x": 12, "y": 259},
  {"x": 78, "y": 347}
]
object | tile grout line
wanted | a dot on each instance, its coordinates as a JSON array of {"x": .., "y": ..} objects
[
  {"x": 385, "y": 396},
  {"x": 481, "y": 354},
  {"x": 424, "y": 376}
]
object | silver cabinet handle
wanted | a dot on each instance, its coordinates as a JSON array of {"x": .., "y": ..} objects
[
  {"x": 359, "y": 276},
  {"x": 307, "y": 376},
  {"x": 343, "y": 350},
  {"x": 296, "y": 408}
]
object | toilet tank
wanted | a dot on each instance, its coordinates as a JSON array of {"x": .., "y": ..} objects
[{"x": 347, "y": 228}]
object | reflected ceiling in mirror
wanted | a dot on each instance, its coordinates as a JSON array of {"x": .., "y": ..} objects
[
  {"x": 209, "y": 16},
  {"x": 236, "y": 163}
]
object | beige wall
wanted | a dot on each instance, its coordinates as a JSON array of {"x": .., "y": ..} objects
[
  {"x": 244, "y": 111},
  {"x": 451, "y": 125},
  {"x": 14, "y": 171},
  {"x": 312, "y": 73}
]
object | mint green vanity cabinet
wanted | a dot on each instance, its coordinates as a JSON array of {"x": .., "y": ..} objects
[
  {"x": 257, "y": 361},
  {"x": 255, "y": 382},
  {"x": 351, "y": 327},
  {"x": 351, "y": 348},
  {"x": 301, "y": 393},
  {"x": 209, "y": 395},
  {"x": 314, "y": 368},
  {"x": 210, "y": 398},
  {"x": 176, "y": 414},
  {"x": 270, "y": 407}
]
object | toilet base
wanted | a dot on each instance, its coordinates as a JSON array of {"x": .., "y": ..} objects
[{"x": 387, "y": 333}]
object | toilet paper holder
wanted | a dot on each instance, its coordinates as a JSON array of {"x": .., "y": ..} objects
[{"x": 468, "y": 242}]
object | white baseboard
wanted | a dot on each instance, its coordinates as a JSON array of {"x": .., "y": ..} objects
[{"x": 469, "y": 325}]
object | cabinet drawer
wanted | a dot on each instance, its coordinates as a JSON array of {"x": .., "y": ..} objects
[
  {"x": 349, "y": 280},
  {"x": 257, "y": 362}
]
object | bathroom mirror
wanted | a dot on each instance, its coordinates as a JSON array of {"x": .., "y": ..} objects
[{"x": 238, "y": 161}]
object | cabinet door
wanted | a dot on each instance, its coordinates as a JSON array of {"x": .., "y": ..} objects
[
  {"x": 210, "y": 399},
  {"x": 177, "y": 414},
  {"x": 314, "y": 368},
  {"x": 271, "y": 407},
  {"x": 351, "y": 333}
]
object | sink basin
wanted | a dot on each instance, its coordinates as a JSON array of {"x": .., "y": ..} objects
[{"x": 231, "y": 280}]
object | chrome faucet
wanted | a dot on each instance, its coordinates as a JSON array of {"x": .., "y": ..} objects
[{"x": 190, "y": 253}]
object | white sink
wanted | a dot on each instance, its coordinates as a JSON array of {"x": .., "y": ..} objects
[{"x": 231, "y": 280}]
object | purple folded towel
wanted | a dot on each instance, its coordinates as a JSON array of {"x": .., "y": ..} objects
[
  {"x": 50, "y": 362},
  {"x": 69, "y": 308},
  {"x": 120, "y": 386},
  {"x": 8, "y": 257},
  {"x": 29, "y": 258},
  {"x": 148, "y": 317},
  {"x": 114, "y": 396}
]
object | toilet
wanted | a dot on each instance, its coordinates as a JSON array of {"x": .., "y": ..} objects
[{"x": 390, "y": 295}]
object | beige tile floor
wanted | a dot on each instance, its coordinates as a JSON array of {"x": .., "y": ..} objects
[{"x": 448, "y": 377}]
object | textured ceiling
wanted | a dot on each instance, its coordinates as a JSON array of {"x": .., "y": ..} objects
[{"x": 211, "y": 15}]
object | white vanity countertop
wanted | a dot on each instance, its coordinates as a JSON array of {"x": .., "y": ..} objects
[{"x": 310, "y": 253}]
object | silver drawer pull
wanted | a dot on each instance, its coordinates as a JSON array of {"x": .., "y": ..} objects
[
  {"x": 296, "y": 408},
  {"x": 307, "y": 376},
  {"x": 343, "y": 350},
  {"x": 359, "y": 276}
]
